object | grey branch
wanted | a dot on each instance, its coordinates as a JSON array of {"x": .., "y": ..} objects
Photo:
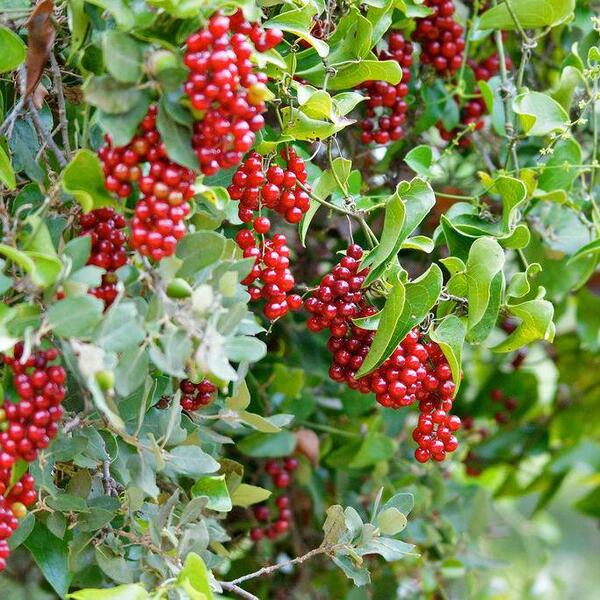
[{"x": 60, "y": 97}]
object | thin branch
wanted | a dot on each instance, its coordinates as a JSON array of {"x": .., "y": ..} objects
[
  {"x": 45, "y": 135},
  {"x": 231, "y": 587},
  {"x": 60, "y": 97},
  {"x": 288, "y": 563}
]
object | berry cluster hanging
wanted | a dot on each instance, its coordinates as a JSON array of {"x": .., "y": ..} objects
[
  {"x": 417, "y": 370},
  {"x": 386, "y": 104},
  {"x": 280, "y": 188},
  {"x": 441, "y": 38},
  {"x": 196, "y": 395},
  {"x": 105, "y": 228},
  {"x": 225, "y": 89},
  {"x": 28, "y": 426},
  {"x": 281, "y": 474}
]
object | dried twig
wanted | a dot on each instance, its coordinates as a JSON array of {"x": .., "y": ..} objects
[
  {"x": 231, "y": 587},
  {"x": 46, "y": 136}
]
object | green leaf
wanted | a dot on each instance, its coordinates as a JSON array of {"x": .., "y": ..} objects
[
  {"x": 589, "y": 249},
  {"x": 123, "y": 56},
  {"x": 78, "y": 250},
  {"x": 419, "y": 159},
  {"x": 246, "y": 495},
  {"x": 198, "y": 250},
  {"x": 83, "y": 178},
  {"x": 359, "y": 575},
  {"x": 13, "y": 50},
  {"x": 355, "y": 72},
  {"x": 171, "y": 357},
  {"x": 486, "y": 259},
  {"x": 112, "y": 96},
  {"x": 540, "y": 114},
  {"x": 215, "y": 489},
  {"x": 120, "y": 328},
  {"x": 389, "y": 319},
  {"x": 7, "y": 175},
  {"x": 130, "y": 591},
  {"x": 391, "y": 521},
  {"x": 405, "y": 209},
  {"x": 121, "y": 11},
  {"x": 450, "y": 336},
  {"x": 536, "y": 324},
  {"x": 191, "y": 461},
  {"x": 375, "y": 447},
  {"x": 564, "y": 90},
  {"x": 51, "y": 556},
  {"x": 531, "y": 14},
  {"x": 420, "y": 296},
  {"x": 75, "y": 316},
  {"x": 122, "y": 126},
  {"x": 299, "y": 21},
  {"x": 388, "y": 548},
  {"x": 257, "y": 422},
  {"x": 261, "y": 445},
  {"x": 177, "y": 138},
  {"x": 560, "y": 171},
  {"x": 403, "y": 501},
  {"x": 197, "y": 575}
]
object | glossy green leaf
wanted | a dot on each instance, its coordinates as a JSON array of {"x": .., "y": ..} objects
[
  {"x": 13, "y": 50},
  {"x": 530, "y": 14},
  {"x": 486, "y": 259},
  {"x": 83, "y": 178},
  {"x": 215, "y": 489},
  {"x": 449, "y": 334},
  {"x": 540, "y": 114},
  {"x": 246, "y": 495},
  {"x": 299, "y": 22},
  {"x": 177, "y": 138},
  {"x": 197, "y": 575},
  {"x": 129, "y": 591}
]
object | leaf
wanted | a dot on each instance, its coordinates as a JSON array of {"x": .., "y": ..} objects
[
  {"x": 540, "y": 114},
  {"x": 51, "y": 556},
  {"x": 403, "y": 501},
  {"x": 198, "y": 250},
  {"x": 171, "y": 358},
  {"x": 388, "y": 323},
  {"x": 391, "y": 521},
  {"x": 530, "y": 14},
  {"x": 40, "y": 40},
  {"x": 334, "y": 525},
  {"x": 358, "y": 71},
  {"x": 83, "y": 178},
  {"x": 589, "y": 249},
  {"x": 388, "y": 548},
  {"x": 560, "y": 171},
  {"x": 195, "y": 572},
  {"x": 7, "y": 174},
  {"x": 122, "y": 127},
  {"x": 130, "y": 591},
  {"x": 78, "y": 250},
  {"x": 240, "y": 399},
  {"x": 374, "y": 448},
  {"x": 120, "y": 9},
  {"x": 246, "y": 495},
  {"x": 407, "y": 207},
  {"x": 191, "y": 461},
  {"x": 450, "y": 336},
  {"x": 215, "y": 489},
  {"x": 536, "y": 324},
  {"x": 359, "y": 575},
  {"x": 257, "y": 422},
  {"x": 486, "y": 259},
  {"x": 123, "y": 56},
  {"x": 177, "y": 138},
  {"x": 419, "y": 159},
  {"x": 75, "y": 316},
  {"x": 120, "y": 328},
  {"x": 299, "y": 21},
  {"x": 13, "y": 50},
  {"x": 420, "y": 297},
  {"x": 260, "y": 445},
  {"x": 112, "y": 96}
]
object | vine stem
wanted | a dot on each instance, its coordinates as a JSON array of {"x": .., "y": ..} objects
[
  {"x": 231, "y": 587},
  {"x": 288, "y": 563}
]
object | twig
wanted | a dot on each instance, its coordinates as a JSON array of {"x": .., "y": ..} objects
[
  {"x": 288, "y": 563},
  {"x": 10, "y": 120},
  {"x": 71, "y": 425},
  {"x": 231, "y": 587},
  {"x": 62, "y": 109},
  {"x": 45, "y": 135}
]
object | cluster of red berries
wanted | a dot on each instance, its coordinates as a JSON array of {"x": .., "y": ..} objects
[
  {"x": 386, "y": 106},
  {"x": 270, "y": 269},
  {"x": 165, "y": 189},
  {"x": 105, "y": 228},
  {"x": 509, "y": 403},
  {"x": 196, "y": 395},
  {"x": 27, "y": 426},
  {"x": 416, "y": 371},
  {"x": 278, "y": 188},
  {"x": 441, "y": 37},
  {"x": 339, "y": 298},
  {"x": 473, "y": 111},
  {"x": 224, "y": 86},
  {"x": 281, "y": 474}
]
